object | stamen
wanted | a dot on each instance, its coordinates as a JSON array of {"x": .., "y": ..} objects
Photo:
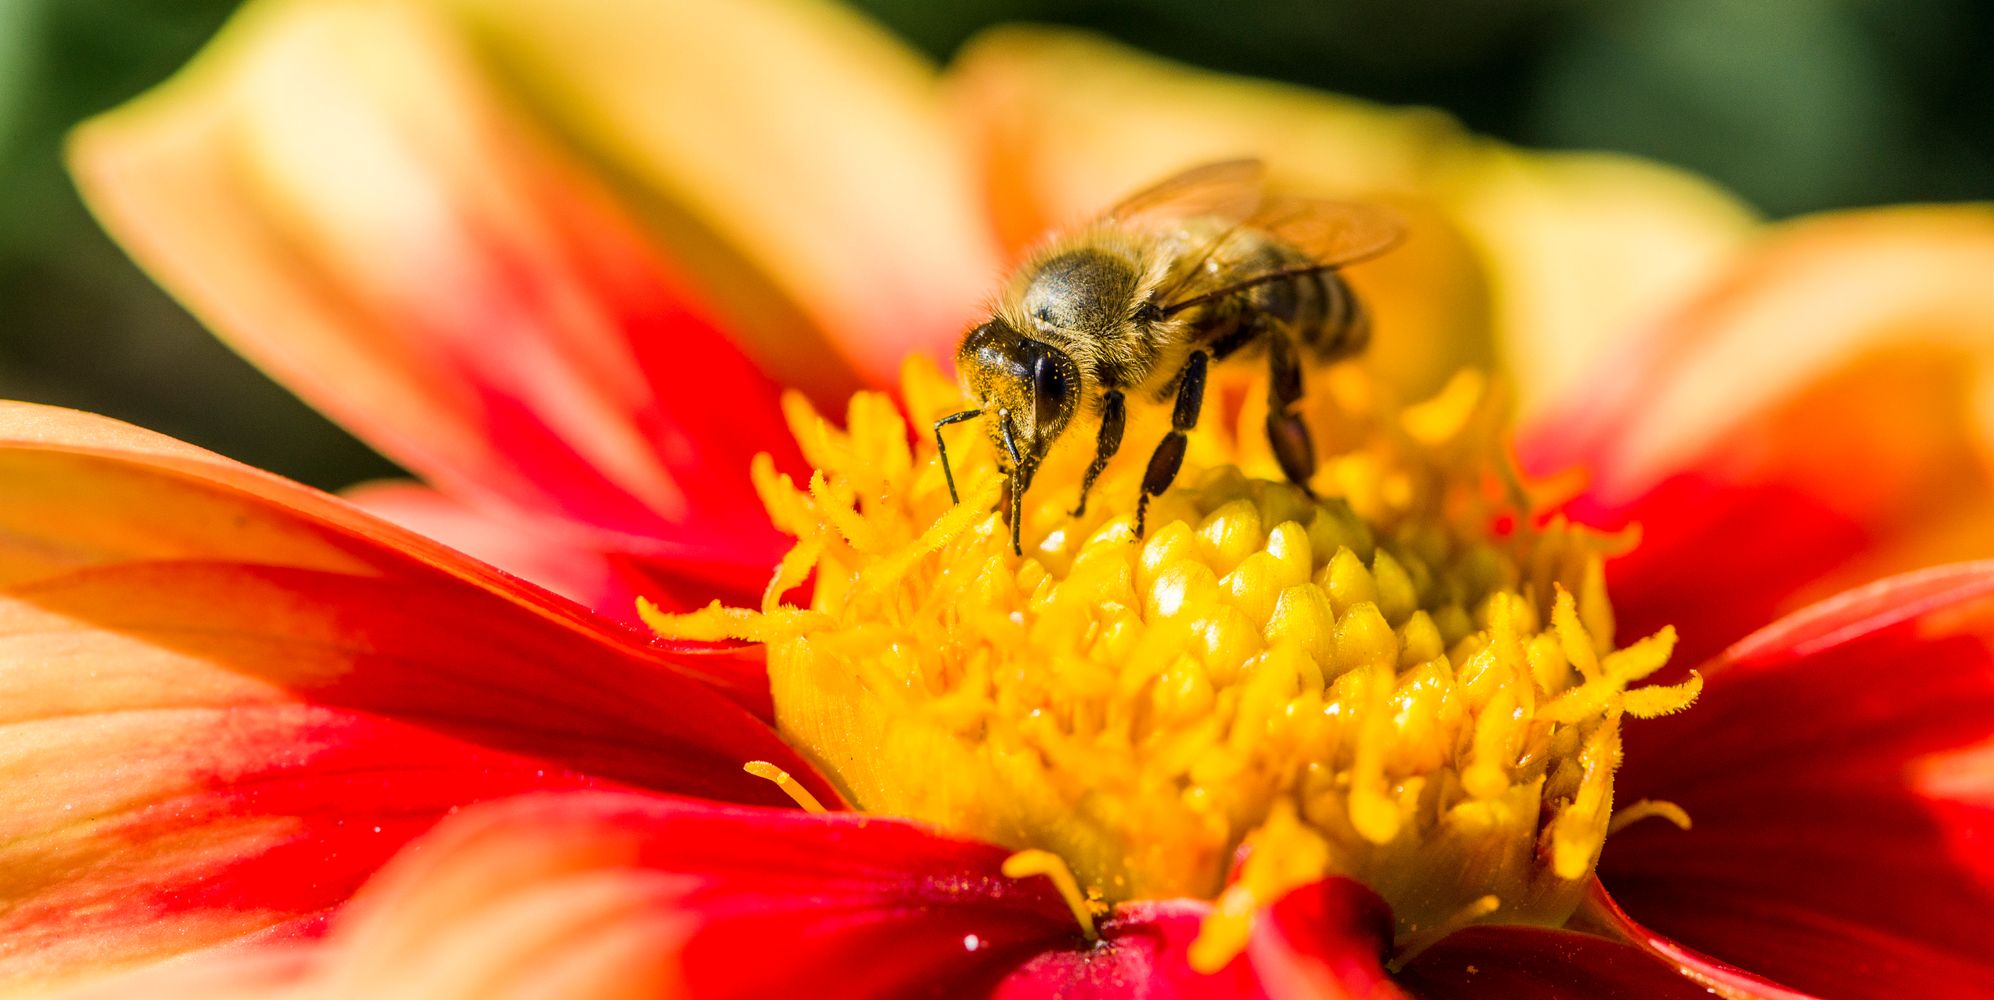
[
  {"x": 790, "y": 786},
  {"x": 1427, "y": 937},
  {"x": 1628, "y": 815},
  {"x": 716, "y": 622},
  {"x": 1028, "y": 863}
]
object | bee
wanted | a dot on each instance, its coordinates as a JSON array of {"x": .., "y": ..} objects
[{"x": 1202, "y": 267}]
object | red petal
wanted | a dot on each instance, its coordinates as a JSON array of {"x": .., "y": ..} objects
[
  {"x": 602, "y": 572},
  {"x": 1141, "y": 954},
  {"x": 1506, "y": 962},
  {"x": 228, "y": 697},
  {"x": 1324, "y": 940},
  {"x": 1837, "y": 769},
  {"x": 586, "y": 896},
  {"x": 337, "y": 190},
  {"x": 1814, "y": 421}
]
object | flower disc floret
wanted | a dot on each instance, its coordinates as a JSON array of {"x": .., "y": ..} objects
[{"x": 1399, "y": 679}]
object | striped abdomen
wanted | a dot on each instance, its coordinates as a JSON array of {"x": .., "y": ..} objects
[{"x": 1314, "y": 309}]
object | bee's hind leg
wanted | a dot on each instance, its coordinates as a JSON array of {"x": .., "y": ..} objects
[
  {"x": 1286, "y": 432},
  {"x": 1114, "y": 415},
  {"x": 1169, "y": 454}
]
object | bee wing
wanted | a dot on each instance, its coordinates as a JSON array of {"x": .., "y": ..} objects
[
  {"x": 1230, "y": 190},
  {"x": 1335, "y": 233},
  {"x": 1332, "y": 233}
]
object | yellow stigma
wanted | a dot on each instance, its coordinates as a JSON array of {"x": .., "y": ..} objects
[{"x": 1402, "y": 682}]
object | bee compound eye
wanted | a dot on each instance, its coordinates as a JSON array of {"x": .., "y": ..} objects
[{"x": 1049, "y": 390}]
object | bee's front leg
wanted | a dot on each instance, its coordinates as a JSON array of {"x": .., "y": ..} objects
[{"x": 1114, "y": 415}]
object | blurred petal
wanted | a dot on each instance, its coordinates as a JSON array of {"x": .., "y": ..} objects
[
  {"x": 1817, "y": 419},
  {"x": 334, "y": 189},
  {"x": 1503, "y": 962},
  {"x": 228, "y": 698},
  {"x": 1837, "y": 769},
  {"x": 1584, "y": 249},
  {"x": 791, "y": 140},
  {"x": 250, "y": 973}
]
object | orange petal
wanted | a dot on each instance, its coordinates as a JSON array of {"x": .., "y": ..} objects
[
  {"x": 1815, "y": 419},
  {"x": 227, "y": 698},
  {"x": 334, "y": 187},
  {"x": 793, "y": 137}
]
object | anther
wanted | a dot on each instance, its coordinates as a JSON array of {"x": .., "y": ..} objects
[
  {"x": 1424, "y": 938},
  {"x": 1633, "y": 813},
  {"x": 1026, "y": 864},
  {"x": 790, "y": 786}
]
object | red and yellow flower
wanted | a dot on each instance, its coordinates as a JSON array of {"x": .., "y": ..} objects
[{"x": 560, "y": 261}]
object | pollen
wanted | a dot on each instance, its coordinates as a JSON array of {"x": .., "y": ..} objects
[{"x": 1398, "y": 676}]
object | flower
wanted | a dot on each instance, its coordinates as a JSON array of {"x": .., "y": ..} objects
[{"x": 287, "y": 690}]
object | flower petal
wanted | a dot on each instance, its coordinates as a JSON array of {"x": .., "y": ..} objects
[
  {"x": 1583, "y": 250},
  {"x": 334, "y": 188},
  {"x": 1503, "y": 962},
  {"x": 790, "y": 139},
  {"x": 596, "y": 896},
  {"x": 1324, "y": 940},
  {"x": 604, "y": 573},
  {"x": 1142, "y": 954},
  {"x": 1815, "y": 420},
  {"x": 1837, "y": 772},
  {"x": 228, "y": 697}
]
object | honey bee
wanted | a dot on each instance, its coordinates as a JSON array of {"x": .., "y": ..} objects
[{"x": 1200, "y": 268}]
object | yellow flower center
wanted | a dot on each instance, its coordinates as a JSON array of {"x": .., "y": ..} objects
[{"x": 1404, "y": 681}]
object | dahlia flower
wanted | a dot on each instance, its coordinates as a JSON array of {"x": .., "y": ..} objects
[{"x": 752, "y": 709}]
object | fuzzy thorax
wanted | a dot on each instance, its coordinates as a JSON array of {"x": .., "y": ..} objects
[{"x": 1404, "y": 681}]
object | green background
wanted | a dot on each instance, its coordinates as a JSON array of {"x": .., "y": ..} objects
[{"x": 1797, "y": 105}]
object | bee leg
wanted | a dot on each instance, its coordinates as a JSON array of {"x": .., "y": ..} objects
[
  {"x": 1113, "y": 417},
  {"x": 1014, "y": 487},
  {"x": 1286, "y": 432},
  {"x": 1169, "y": 454},
  {"x": 942, "y": 450}
]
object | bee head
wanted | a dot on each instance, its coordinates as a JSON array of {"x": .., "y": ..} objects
[{"x": 1024, "y": 386}]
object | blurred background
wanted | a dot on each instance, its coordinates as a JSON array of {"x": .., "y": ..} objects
[{"x": 1796, "y": 105}]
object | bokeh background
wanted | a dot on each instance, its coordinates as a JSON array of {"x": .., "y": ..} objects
[{"x": 1797, "y": 105}]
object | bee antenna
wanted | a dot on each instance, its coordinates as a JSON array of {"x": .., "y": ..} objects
[{"x": 942, "y": 450}]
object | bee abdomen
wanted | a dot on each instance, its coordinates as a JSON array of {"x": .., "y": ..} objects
[{"x": 1342, "y": 327}]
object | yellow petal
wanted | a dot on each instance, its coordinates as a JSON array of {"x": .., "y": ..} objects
[{"x": 1582, "y": 250}]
